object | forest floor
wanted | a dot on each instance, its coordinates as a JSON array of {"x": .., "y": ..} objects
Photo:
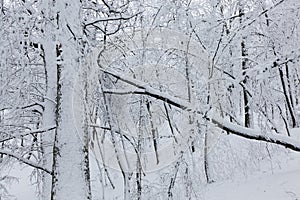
[{"x": 280, "y": 184}]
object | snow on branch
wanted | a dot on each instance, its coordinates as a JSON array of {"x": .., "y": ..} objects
[
  {"x": 243, "y": 27},
  {"x": 112, "y": 19},
  {"x": 144, "y": 88},
  {"x": 249, "y": 133},
  {"x": 22, "y": 107},
  {"x": 28, "y": 133},
  {"x": 24, "y": 160}
]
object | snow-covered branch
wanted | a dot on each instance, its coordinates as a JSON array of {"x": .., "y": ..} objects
[
  {"x": 24, "y": 160},
  {"x": 22, "y": 107},
  {"x": 111, "y": 19},
  {"x": 249, "y": 133},
  {"x": 27, "y": 133},
  {"x": 144, "y": 88}
]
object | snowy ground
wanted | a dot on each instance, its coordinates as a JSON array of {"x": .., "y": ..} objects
[
  {"x": 22, "y": 189},
  {"x": 281, "y": 181},
  {"x": 279, "y": 184}
]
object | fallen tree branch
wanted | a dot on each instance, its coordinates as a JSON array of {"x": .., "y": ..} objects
[
  {"x": 253, "y": 134},
  {"x": 144, "y": 88}
]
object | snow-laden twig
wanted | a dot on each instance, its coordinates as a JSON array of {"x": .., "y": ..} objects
[{"x": 24, "y": 160}]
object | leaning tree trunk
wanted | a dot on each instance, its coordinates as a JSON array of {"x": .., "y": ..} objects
[
  {"x": 287, "y": 95},
  {"x": 70, "y": 153}
]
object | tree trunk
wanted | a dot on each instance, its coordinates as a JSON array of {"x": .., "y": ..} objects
[
  {"x": 49, "y": 115},
  {"x": 50, "y": 56},
  {"x": 247, "y": 111},
  {"x": 287, "y": 95},
  {"x": 70, "y": 153}
]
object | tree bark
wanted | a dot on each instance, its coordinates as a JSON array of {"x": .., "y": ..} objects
[
  {"x": 287, "y": 95},
  {"x": 70, "y": 153},
  {"x": 49, "y": 115},
  {"x": 49, "y": 57},
  {"x": 247, "y": 111}
]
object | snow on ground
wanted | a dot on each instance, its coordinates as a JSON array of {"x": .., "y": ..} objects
[
  {"x": 22, "y": 189},
  {"x": 281, "y": 184}
]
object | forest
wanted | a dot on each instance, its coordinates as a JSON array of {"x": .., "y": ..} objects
[{"x": 147, "y": 99}]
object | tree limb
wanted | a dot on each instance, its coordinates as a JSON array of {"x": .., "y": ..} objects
[
  {"x": 25, "y": 161},
  {"x": 144, "y": 88},
  {"x": 248, "y": 133},
  {"x": 28, "y": 133},
  {"x": 112, "y": 19}
]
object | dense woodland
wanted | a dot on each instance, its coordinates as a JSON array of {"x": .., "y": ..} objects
[{"x": 145, "y": 99}]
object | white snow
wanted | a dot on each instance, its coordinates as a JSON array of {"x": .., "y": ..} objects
[
  {"x": 22, "y": 189},
  {"x": 281, "y": 184}
]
